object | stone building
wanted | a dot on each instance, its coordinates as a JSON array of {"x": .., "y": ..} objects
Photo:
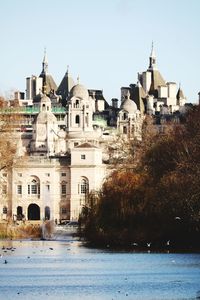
[
  {"x": 65, "y": 134},
  {"x": 152, "y": 94}
]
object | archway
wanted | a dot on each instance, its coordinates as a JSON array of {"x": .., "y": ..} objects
[
  {"x": 33, "y": 212},
  {"x": 47, "y": 213},
  {"x": 19, "y": 213}
]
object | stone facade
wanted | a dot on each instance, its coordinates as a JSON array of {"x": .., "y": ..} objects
[{"x": 65, "y": 134}]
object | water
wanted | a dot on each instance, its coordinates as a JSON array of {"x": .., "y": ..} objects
[{"x": 65, "y": 269}]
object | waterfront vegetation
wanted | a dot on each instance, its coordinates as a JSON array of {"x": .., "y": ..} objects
[
  {"x": 19, "y": 230},
  {"x": 153, "y": 197}
]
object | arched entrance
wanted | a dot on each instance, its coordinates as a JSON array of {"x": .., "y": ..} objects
[
  {"x": 33, "y": 212},
  {"x": 47, "y": 213},
  {"x": 19, "y": 213}
]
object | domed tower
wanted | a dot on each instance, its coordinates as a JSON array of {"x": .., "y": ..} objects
[
  {"x": 45, "y": 128},
  {"x": 80, "y": 110},
  {"x": 129, "y": 119}
]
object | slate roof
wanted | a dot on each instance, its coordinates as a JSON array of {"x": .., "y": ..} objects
[
  {"x": 65, "y": 86},
  {"x": 49, "y": 82},
  {"x": 138, "y": 95},
  {"x": 86, "y": 145},
  {"x": 180, "y": 94},
  {"x": 98, "y": 94}
]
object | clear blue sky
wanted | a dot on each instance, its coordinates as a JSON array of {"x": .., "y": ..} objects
[{"x": 105, "y": 42}]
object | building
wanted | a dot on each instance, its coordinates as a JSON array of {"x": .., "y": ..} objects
[
  {"x": 65, "y": 134},
  {"x": 152, "y": 94}
]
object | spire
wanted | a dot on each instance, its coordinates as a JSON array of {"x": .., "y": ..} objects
[
  {"x": 152, "y": 51},
  {"x": 152, "y": 58},
  {"x": 45, "y": 63},
  {"x": 67, "y": 69},
  {"x": 180, "y": 94}
]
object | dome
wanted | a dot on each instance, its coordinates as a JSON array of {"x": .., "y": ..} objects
[
  {"x": 45, "y": 98},
  {"x": 129, "y": 105},
  {"x": 46, "y": 117},
  {"x": 79, "y": 91}
]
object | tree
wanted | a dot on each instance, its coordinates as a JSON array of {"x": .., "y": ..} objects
[
  {"x": 8, "y": 140},
  {"x": 157, "y": 199}
]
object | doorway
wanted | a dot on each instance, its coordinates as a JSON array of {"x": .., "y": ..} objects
[{"x": 33, "y": 212}]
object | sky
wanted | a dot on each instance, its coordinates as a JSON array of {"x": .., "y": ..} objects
[{"x": 104, "y": 42}]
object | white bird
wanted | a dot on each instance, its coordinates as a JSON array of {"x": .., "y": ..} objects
[
  {"x": 168, "y": 243},
  {"x": 134, "y": 244},
  {"x": 148, "y": 244},
  {"x": 177, "y": 218}
]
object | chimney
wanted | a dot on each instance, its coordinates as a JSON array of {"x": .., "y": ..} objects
[{"x": 115, "y": 102}]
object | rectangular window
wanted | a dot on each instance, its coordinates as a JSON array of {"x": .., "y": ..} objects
[
  {"x": 29, "y": 189},
  {"x": 63, "y": 210},
  {"x": 63, "y": 174},
  {"x": 63, "y": 189},
  {"x": 83, "y": 189},
  {"x": 4, "y": 189},
  {"x": 19, "y": 189},
  {"x": 19, "y": 174},
  {"x": 4, "y": 174},
  {"x": 34, "y": 189},
  {"x": 48, "y": 187},
  {"x": 47, "y": 174},
  {"x": 5, "y": 210},
  {"x": 82, "y": 156}
]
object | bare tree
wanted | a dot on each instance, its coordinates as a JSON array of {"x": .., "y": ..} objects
[{"x": 8, "y": 136}]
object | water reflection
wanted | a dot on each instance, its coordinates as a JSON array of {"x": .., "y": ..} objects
[{"x": 65, "y": 269}]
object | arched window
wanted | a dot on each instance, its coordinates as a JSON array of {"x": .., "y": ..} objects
[
  {"x": 77, "y": 119},
  {"x": 84, "y": 186},
  {"x": 124, "y": 130},
  {"x": 34, "y": 187},
  {"x": 77, "y": 103},
  {"x": 124, "y": 116}
]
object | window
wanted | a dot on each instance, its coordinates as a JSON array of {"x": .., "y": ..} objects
[
  {"x": 19, "y": 189},
  {"x": 63, "y": 210},
  {"x": 48, "y": 187},
  {"x": 63, "y": 174},
  {"x": 47, "y": 174},
  {"x": 84, "y": 186},
  {"x": 124, "y": 116},
  {"x": 82, "y": 156},
  {"x": 124, "y": 130},
  {"x": 86, "y": 118},
  {"x": 4, "y": 189},
  {"x": 4, "y": 174},
  {"x": 63, "y": 189},
  {"x": 34, "y": 188},
  {"x": 19, "y": 174},
  {"x": 77, "y": 103},
  {"x": 77, "y": 119},
  {"x": 5, "y": 210}
]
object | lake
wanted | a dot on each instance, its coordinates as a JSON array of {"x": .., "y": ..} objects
[{"x": 65, "y": 269}]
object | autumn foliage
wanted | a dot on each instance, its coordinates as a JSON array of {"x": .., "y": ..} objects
[{"x": 156, "y": 201}]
